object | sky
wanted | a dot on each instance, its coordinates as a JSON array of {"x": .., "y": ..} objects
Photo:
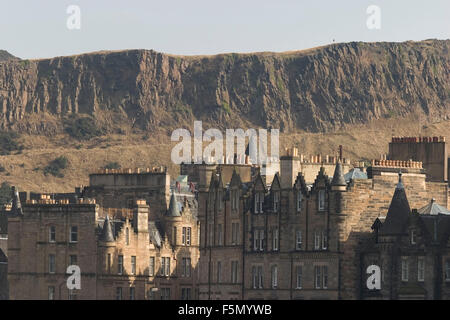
[{"x": 39, "y": 29}]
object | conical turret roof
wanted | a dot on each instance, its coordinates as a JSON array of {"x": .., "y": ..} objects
[
  {"x": 107, "y": 234},
  {"x": 398, "y": 213},
  {"x": 338, "y": 178},
  {"x": 173, "y": 207}
]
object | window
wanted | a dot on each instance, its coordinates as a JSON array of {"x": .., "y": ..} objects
[
  {"x": 317, "y": 277},
  {"x": 211, "y": 234},
  {"x": 73, "y": 234},
  {"x": 298, "y": 240},
  {"x": 186, "y": 267},
  {"x": 299, "y": 201},
  {"x": 234, "y": 233},
  {"x": 132, "y": 293},
  {"x": 255, "y": 239},
  {"x": 261, "y": 240},
  {"x": 316, "y": 240},
  {"x": 109, "y": 262},
  {"x": 234, "y": 271},
  {"x": 405, "y": 269},
  {"x": 447, "y": 270},
  {"x": 276, "y": 201},
  {"x": 219, "y": 235},
  {"x": 321, "y": 200},
  {"x": 219, "y": 271},
  {"x": 51, "y": 293},
  {"x": 324, "y": 277},
  {"x": 120, "y": 264},
  {"x": 188, "y": 236},
  {"x": 254, "y": 277},
  {"x": 259, "y": 199},
  {"x": 260, "y": 277},
  {"x": 299, "y": 272},
  {"x": 51, "y": 263},
  {"x": 413, "y": 237},
  {"x": 165, "y": 293},
  {"x": 73, "y": 260},
  {"x": 118, "y": 293},
  {"x": 274, "y": 277},
  {"x": 52, "y": 234},
  {"x": 151, "y": 268},
  {"x": 174, "y": 236},
  {"x": 185, "y": 293},
  {"x": 133, "y": 265},
  {"x": 275, "y": 239},
  {"x": 72, "y": 295},
  {"x": 235, "y": 199},
  {"x": 219, "y": 195},
  {"x": 127, "y": 236},
  {"x": 324, "y": 240},
  {"x": 165, "y": 266},
  {"x": 420, "y": 268}
]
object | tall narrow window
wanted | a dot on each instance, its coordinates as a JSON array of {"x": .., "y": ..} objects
[
  {"x": 276, "y": 201},
  {"x": 132, "y": 293},
  {"x": 274, "y": 277},
  {"x": 324, "y": 277},
  {"x": 118, "y": 293},
  {"x": 254, "y": 277},
  {"x": 219, "y": 235},
  {"x": 73, "y": 234},
  {"x": 51, "y": 293},
  {"x": 316, "y": 240},
  {"x": 234, "y": 233},
  {"x": 174, "y": 236},
  {"x": 260, "y": 277},
  {"x": 188, "y": 236},
  {"x": 413, "y": 237},
  {"x": 324, "y": 240},
  {"x": 120, "y": 264},
  {"x": 127, "y": 236},
  {"x": 219, "y": 271},
  {"x": 317, "y": 277},
  {"x": 261, "y": 240},
  {"x": 321, "y": 200},
  {"x": 299, "y": 201},
  {"x": 447, "y": 270},
  {"x": 405, "y": 269},
  {"x": 234, "y": 271},
  {"x": 73, "y": 260},
  {"x": 259, "y": 200},
  {"x": 109, "y": 262},
  {"x": 52, "y": 234},
  {"x": 420, "y": 268},
  {"x": 133, "y": 264},
  {"x": 298, "y": 240},
  {"x": 51, "y": 263},
  {"x": 255, "y": 239},
  {"x": 162, "y": 270},
  {"x": 167, "y": 273},
  {"x": 299, "y": 272},
  {"x": 183, "y": 236},
  {"x": 275, "y": 239},
  {"x": 151, "y": 268},
  {"x": 165, "y": 293}
]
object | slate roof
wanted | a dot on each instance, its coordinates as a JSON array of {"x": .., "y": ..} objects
[
  {"x": 398, "y": 213},
  {"x": 107, "y": 234},
  {"x": 354, "y": 174},
  {"x": 174, "y": 210},
  {"x": 338, "y": 177},
  {"x": 433, "y": 208}
]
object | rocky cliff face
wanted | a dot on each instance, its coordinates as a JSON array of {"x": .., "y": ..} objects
[{"x": 319, "y": 89}]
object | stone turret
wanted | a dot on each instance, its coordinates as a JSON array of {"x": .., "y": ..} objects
[{"x": 338, "y": 183}]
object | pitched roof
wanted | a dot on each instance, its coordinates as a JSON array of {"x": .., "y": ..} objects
[
  {"x": 107, "y": 234},
  {"x": 338, "y": 177},
  {"x": 398, "y": 213},
  {"x": 173, "y": 210},
  {"x": 354, "y": 174},
  {"x": 433, "y": 208}
]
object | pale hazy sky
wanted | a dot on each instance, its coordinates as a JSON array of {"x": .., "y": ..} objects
[{"x": 37, "y": 28}]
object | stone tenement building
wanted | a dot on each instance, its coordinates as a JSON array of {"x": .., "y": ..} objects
[
  {"x": 123, "y": 253},
  {"x": 251, "y": 237}
]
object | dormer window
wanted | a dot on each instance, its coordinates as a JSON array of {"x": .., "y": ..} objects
[
  {"x": 413, "y": 235},
  {"x": 321, "y": 200},
  {"x": 299, "y": 201},
  {"x": 259, "y": 199},
  {"x": 276, "y": 201}
]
